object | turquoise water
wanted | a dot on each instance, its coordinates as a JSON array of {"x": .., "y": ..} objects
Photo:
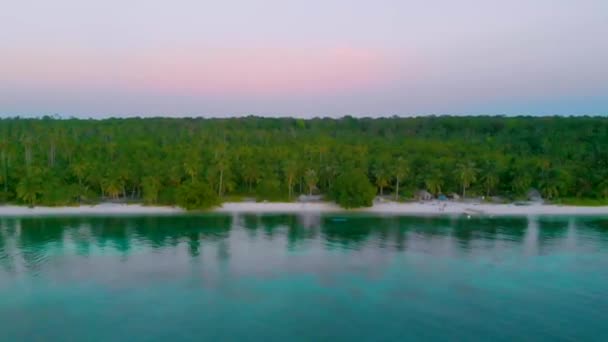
[{"x": 303, "y": 278}]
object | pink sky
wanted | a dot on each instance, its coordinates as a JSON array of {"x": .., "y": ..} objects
[{"x": 331, "y": 57}]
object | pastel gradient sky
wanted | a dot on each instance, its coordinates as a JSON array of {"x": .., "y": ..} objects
[{"x": 303, "y": 58}]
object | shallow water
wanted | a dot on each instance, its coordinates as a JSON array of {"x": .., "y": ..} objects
[{"x": 291, "y": 278}]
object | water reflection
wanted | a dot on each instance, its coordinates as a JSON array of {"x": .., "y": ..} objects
[
  {"x": 438, "y": 278},
  {"x": 31, "y": 242}
]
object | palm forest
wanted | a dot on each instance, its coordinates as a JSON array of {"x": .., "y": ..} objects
[{"x": 198, "y": 163}]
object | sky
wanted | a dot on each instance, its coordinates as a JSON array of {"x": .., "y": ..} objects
[{"x": 303, "y": 58}]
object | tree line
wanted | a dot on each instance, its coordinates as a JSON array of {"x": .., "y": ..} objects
[{"x": 198, "y": 163}]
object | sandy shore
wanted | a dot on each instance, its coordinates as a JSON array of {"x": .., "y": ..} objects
[
  {"x": 427, "y": 208},
  {"x": 98, "y": 209}
]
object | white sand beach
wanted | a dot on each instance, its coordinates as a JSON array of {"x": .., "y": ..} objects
[
  {"x": 98, "y": 209},
  {"x": 389, "y": 208}
]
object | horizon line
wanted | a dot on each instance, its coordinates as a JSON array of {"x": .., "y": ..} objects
[{"x": 58, "y": 116}]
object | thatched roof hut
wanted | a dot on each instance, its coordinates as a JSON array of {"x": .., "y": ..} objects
[
  {"x": 423, "y": 195},
  {"x": 534, "y": 195}
]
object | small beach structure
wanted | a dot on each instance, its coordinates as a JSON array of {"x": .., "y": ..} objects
[
  {"x": 310, "y": 198},
  {"x": 534, "y": 195},
  {"x": 423, "y": 195}
]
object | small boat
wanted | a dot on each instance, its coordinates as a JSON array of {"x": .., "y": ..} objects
[{"x": 338, "y": 219}]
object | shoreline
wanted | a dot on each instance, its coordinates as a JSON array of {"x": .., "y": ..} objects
[{"x": 389, "y": 208}]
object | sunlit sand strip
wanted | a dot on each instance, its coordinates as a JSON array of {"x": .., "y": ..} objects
[{"x": 390, "y": 208}]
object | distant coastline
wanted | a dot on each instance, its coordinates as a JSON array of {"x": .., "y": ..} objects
[{"x": 434, "y": 208}]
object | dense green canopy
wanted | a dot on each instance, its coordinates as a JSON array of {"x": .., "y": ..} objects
[
  {"x": 352, "y": 189},
  {"x": 163, "y": 160}
]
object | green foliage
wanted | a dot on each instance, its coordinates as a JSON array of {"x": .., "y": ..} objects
[
  {"x": 196, "y": 196},
  {"x": 269, "y": 189},
  {"x": 353, "y": 189},
  {"x": 151, "y": 186},
  {"x": 59, "y": 194},
  {"x": 589, "y": 202},
  {"x": 467, "y": 173},
  {"x": 58, "y": 162},
  {"x": 29, "y": 188},
  {"x": 311, "y": 179}
]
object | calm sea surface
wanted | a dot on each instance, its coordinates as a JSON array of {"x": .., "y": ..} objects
[{"x": 303, "y": 278}]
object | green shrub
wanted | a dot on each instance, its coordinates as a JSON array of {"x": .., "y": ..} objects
[
  {"x": 196, "y": 195},
  {"x": 353, "y": 189}
]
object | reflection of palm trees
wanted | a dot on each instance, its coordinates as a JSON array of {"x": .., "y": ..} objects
[
  {"x": 7, "y": 260},
  {"x": 194, "y": 244},
  {"x": 223, "y": 250}
]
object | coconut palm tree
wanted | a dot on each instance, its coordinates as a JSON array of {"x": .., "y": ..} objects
[
  {"x": 290, "y": 170},
  {"x": 603, "y": 188},
  {"x": 192, "y": 167},
  {"x": 79, "y": 170},
  {"x": 112, "y": 187},
  {"x": 521, "y": 183},
  {"x": 382, "y": 178},
  {"x": 251, "y": 173},
  {"x": 221, "y": 164},
  {"x": 468, "y": 174},
  {"x": 434, "y": 184},
  {"x": 310, "y": 177},
  {"x": 29, "y": 188},
  {"x": 151, "y": 186},
  {"x": 490, "y": 181},
  {"x": 4, "y": 160},
  {"x": 400, "y": 171}
]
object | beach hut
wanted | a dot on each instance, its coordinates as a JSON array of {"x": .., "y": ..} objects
[
  {"x": 423, "y": 195},
  {"x": 533, "y": 195},
  {"x": 442, "y": 197},
  {"x": 310, "y": 198}
]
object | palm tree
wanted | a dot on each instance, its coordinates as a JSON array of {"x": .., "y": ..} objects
[
  {"x": 290, "y": 170},
  {"x": 251, "y": 173},
  {"x": 549, "y": 189},
  {"x": 151, "y": 185},
  {"x": 490, "y": 181},
  {"x": 221, "y": 165},
  {"x": 400, "y": 171},
  {"x": 113, "y": 187},
  {"x": 79, "y": 170},
  {"x": 29, "y": 188},
  {"x": 434, "y": 184},
  {"x": 603, "y": 187},
  {"x": 4, "y": 160},
  {"x": 467, "y": 174},
  {"x": 27, "y": 142},
  {"x": 311, "y": 180},
  {"x": 191, "y": 167},
  {"x": 521, "y": 183},
  {"x": 381, "y": 179}
]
